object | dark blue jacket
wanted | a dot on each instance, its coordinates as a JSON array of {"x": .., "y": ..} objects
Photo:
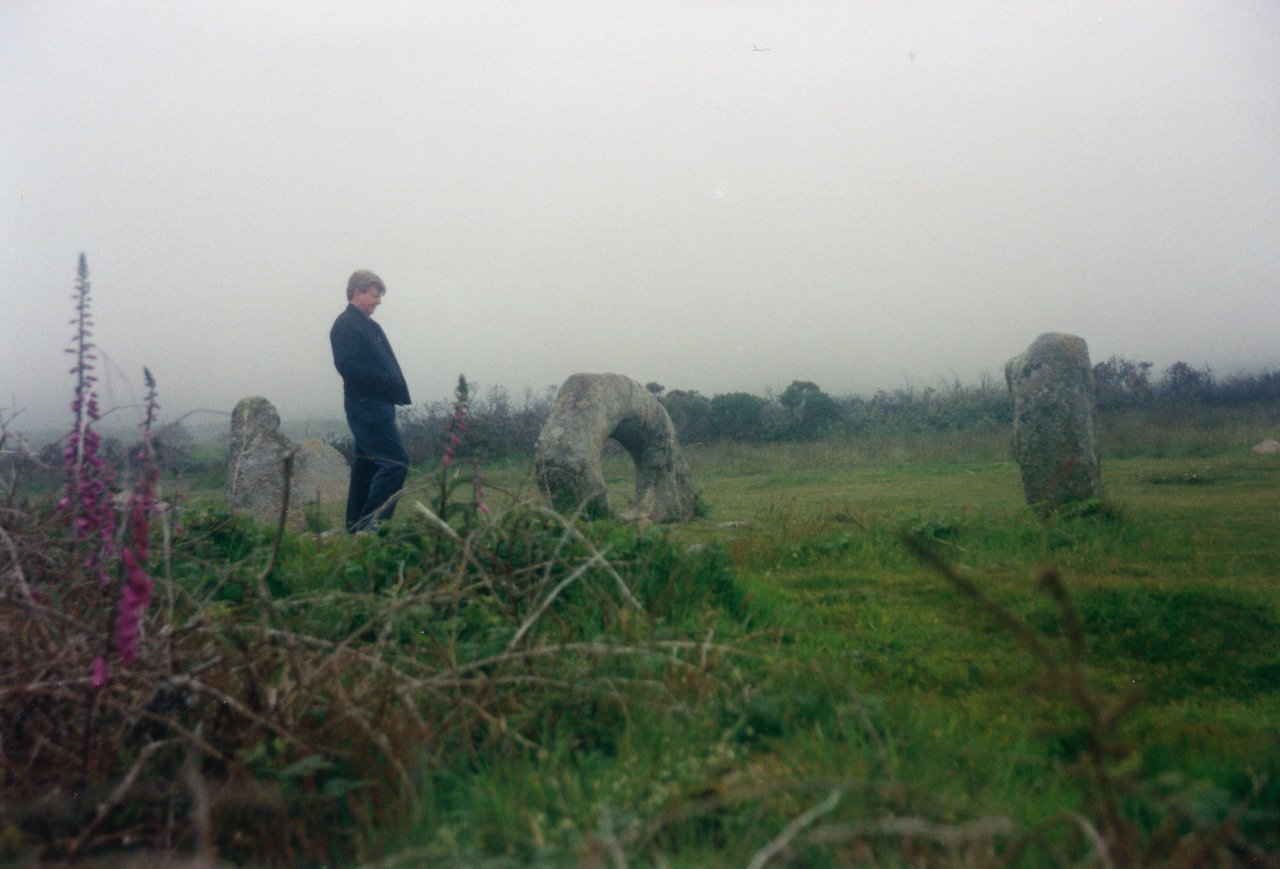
[{"x": 363, "y": 357}]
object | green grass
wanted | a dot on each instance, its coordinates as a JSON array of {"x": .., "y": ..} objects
[
  {"x": 861, "y": 669},
  {"x": 844, "y": 665}
]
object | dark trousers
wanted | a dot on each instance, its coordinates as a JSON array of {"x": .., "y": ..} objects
[{"x": 379, "y": 464}]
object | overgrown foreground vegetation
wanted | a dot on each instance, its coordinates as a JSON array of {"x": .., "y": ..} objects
[
  {"x": 867, "y": 654},
  {"x": 286, "y": 707}
]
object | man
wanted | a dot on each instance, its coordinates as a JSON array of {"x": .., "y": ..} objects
[{"x": 372, "y": 386}]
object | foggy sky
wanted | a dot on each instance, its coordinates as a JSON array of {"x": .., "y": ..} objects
[{"x": 892, "y": 193}]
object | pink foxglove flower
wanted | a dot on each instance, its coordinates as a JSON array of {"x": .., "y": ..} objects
[
  {"x": 136, "y": 594},
  {"x": 457, "y": 423}
]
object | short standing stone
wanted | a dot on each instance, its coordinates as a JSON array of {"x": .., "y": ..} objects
[
  {"x": 589, "y": 410},
  {"x": 1054, "y": 442},
  {"x": 320, "y": 474},
  {"x": 1270, "y": 446},
  {"x": 256, "y": 460}
]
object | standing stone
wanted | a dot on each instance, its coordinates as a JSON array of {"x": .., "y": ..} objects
[
  {"x": 1051, "y": 386},
  {"x": 592, "y": 408},
  {"x": 255, "y": 467}
]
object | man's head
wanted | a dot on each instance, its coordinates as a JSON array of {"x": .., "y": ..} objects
[{"x": 365, "y": 291}]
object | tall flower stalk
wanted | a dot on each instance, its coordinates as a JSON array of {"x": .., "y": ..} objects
[
  {"x": 453, "y": 433},
  {"x": 89, "y": 497},
  {"x": 456, "y": 428},
  {"x": 458, "y": 422},
  {"x": 88, "y": 488}
]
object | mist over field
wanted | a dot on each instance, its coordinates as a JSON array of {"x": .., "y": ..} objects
[{"x": 717, "y": 197}]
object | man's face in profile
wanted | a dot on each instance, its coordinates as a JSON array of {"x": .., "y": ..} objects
[{"x": 366, "y": 301}]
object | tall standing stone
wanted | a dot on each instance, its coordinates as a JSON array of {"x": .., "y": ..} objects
[
  {"x": 256, "y": 461},
  {"x": 1054, "y": 442}
]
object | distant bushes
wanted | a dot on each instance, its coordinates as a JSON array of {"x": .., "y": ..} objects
[
  {"x": 501, "y": 427},
  {"x": 955, "y": 407},
  {"x": 1246, "y": 388},
  {"x": 804, "y": 412},
  {"x": 497, "y": 426},
  {"x": 1126, "y": 383},
  {"x": 176, "y": 453},
  {"x": 1122, "y": 382}
]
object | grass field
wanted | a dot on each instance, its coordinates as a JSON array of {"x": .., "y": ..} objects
[
  {"x": 860, "y": 653},
  {"x": 876, "y": 714}
]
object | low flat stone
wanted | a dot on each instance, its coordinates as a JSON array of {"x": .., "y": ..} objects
[
  {"x": 256, "y": 467},
  {"x": 321, "y": 473}
]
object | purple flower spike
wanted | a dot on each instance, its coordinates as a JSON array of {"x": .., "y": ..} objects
[
  {"x": 136, "y": 594},
  {"x": 88, "y": 491}
]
